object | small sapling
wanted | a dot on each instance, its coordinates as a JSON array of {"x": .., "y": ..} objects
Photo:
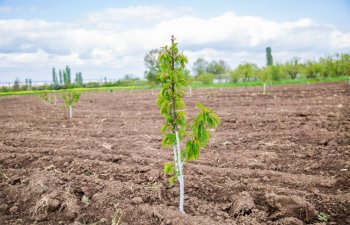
[
  {"x": 70, "y": 99},
  {"x": 176, "y": 129}
]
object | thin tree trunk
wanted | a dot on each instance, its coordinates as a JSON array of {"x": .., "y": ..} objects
[
  {"x": 70, "y": 109},
  {"x": 264, "y": 89},
  {"x": 191, "y": 87},
  {"x": 178, "y": 150},
  {"x": 175, "y": 158},
  {"x": 54, "y": 99},
  {"x": 181, "y": 176}
]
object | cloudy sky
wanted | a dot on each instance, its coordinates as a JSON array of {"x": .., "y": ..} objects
[{"x": 110, "y": 37}]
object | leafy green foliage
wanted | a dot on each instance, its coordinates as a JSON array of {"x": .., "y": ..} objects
[
  {"x": 200, "y": 134},
  {"x": 170, "y": 100},
  {"x": 205, "y": 78},
  {"x": 244, "y": 72},
  {"x": 169, "y": 168},
  {"x": 45, "y": 96},
  {"x": 70, "y": 98}
]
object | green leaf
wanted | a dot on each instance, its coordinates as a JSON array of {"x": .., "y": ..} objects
[
  {"x": 164, "y": 127},
  {"x": 213, "y": 120},
  {"x": 169, "y": 168},
  {"x": 183, "y": 82},
  {"x": 192, "y": 149},
  {"x": 169, "y": 140},
  {"x": 172, "y": 180}
]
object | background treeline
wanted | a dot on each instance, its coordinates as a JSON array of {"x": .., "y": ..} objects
[
  {"x": 206, "y": 72},
  {"x": 63, "y": 79}
]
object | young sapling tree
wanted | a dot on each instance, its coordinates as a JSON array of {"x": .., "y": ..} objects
[
  {"x": 175, "y": 129},
  {"x": 45, "y": 96},
  {"x": 265, "y": 77},
  {"x": 70, "y": 99}
]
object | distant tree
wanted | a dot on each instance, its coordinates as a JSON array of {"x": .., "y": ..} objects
[
  {"x": 200, "y": 66},
  {"x": 205, "y": 78},
  {"x": 311, "y": 69},
  {"x": 61, "y": 78},
  {"x": 78, "y": 78},
  {"x": 292, "y": 68},
  {"x": 65, "y": 77},
  {"x": 30, "y": 83},
  {"x": 218, "y": 68},
  {"x": 16, "y": 85},
  {"x": 55, "y": 83},
  {"x": 344, "y": 64},
  {"x": 66, "y": 73},
  {"x": 128, "y": 77},
  {"x": 269, "y": 58},
  {"x": 276, "y": 72},
  {"x": 69, "y": 81},
  {"x": 152, "y": 66},
  {"x": 330, "y": 67},
  {"x": 245, "y": 72}
]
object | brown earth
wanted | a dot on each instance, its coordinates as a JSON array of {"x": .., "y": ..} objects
[{"x": 276, "y": 159}]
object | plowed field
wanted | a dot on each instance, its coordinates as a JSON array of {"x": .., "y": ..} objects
[{"x": 283, "y": 158}]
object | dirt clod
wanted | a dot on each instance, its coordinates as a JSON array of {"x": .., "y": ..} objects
[
  {"x": 13, "y": 209},
  {"x": 243, "y": 204},
  {"x": 136, "y": 200},
  {"x": 290, "y": 206}
]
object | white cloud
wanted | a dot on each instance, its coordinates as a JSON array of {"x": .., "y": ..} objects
[{"x": 114, "y": 41}]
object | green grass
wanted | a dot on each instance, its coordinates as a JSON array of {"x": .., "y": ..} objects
[
  {"x": 195, "y": 85},
  {"x": 75, "y": 89},
  {"x": 281, "y": 82}
]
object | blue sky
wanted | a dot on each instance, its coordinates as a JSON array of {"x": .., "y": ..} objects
[{"x": 109, "y": 38}]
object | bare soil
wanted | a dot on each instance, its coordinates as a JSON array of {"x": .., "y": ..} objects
[{"x": 282, "y": 158}]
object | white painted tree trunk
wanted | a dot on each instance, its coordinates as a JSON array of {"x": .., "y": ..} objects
[
  {"x": 191, "y": 90},
  {"x": 349, "y": 80},
  {"x": 180, "y": 176},
  {"x": 70, "y": 109},
  {"x": 175, "y": 158},
  {"x": 264, "y": 89}
]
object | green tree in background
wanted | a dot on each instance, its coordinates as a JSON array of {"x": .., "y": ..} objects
[
  {"x": 55, "y": 84},
  {"x": 61, "y": 77},
  {"x": 269, "y": 58},
  {"x": 218, "y": 68},
  {"x": 311, "y": 69},
  {"x": 245, "y": 72},
  {"x": 79, "y": 78},
  {"x": 152, "y": 65},
  {"x": 292, "y": 68},
  {"x": 200, "y": 66},
  {"x": 205, "y": 78},
  {"x": 16, "y": 86},
  {"x": 276, "y": 72}
]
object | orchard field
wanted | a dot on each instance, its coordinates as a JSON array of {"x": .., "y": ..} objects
[{"x": 279, "y": 159}]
